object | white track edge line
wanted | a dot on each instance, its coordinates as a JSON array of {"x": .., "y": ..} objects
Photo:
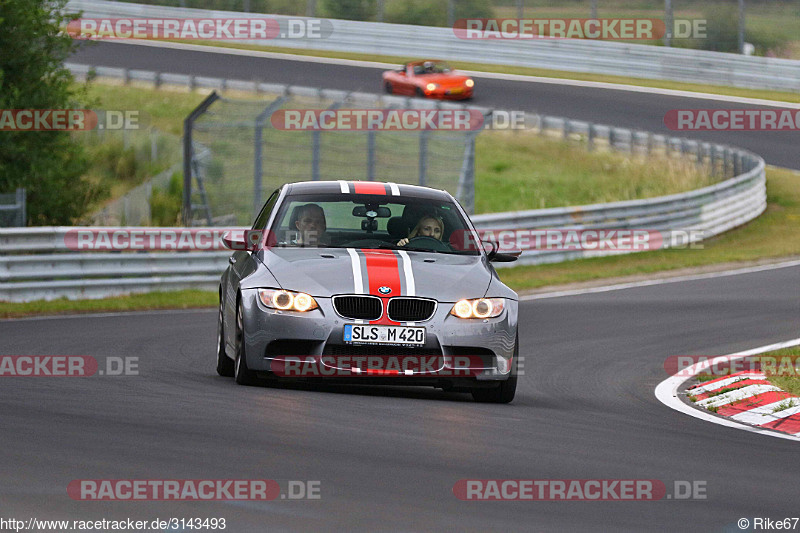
[{"x": 667, "y": 392}]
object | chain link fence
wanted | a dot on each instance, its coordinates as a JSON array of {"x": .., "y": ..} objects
[
  {"x": 144, "y": 157},
  {"x": 238, "y": 157}
]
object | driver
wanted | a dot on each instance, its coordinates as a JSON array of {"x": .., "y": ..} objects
[
  {"x": 429, "y": 67},
  {"x": 311, "y": 226},
  {"x": 428, "y": 226}
]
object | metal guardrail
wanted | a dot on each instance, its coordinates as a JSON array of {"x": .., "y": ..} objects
[
  {"x": 37, "y": 263},
  {"x": 573, "y": 55}
]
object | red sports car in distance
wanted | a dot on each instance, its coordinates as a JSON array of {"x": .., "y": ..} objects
[{"x": 432, "y": 79}]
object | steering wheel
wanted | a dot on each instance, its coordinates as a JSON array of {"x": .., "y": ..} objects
[{"x": 424, "y": 241}]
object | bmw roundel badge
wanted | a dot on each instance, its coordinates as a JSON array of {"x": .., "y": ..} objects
[{"x": 384, "y": 290}]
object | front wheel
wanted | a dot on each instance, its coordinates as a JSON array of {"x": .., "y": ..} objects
[
  {"x": 506, "y": 390},
  {"x": 225, "y": 365},
  {"x": 388, "y": 88},
  {"x": 242, "y": 374}
]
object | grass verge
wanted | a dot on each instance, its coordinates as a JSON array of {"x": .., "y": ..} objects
[
  {"x": 160, "y": 108},
  {"x": 774, "y": 234},
  {"x": 522, "y": 170},
  {"x": 783, "y": 369},
  {"x": 186, "y": 299}
]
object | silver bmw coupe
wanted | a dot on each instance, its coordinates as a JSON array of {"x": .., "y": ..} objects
[{"x": 367, "y": 282}]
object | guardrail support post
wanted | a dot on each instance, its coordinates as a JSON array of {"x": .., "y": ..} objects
[{"x": 590, "y": 138}]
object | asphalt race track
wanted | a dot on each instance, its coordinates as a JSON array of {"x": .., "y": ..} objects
[
  {"x": 387, "y": 458},
  {"x": 619, "y": 108}
]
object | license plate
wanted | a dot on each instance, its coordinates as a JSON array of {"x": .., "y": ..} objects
[
  {"x": 457, "y": 90},
  {"x": 398, "y": 335}
]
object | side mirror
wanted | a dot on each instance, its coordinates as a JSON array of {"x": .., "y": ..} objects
[
  {"x": 494, "y": 255},
  {"x": 244, "y": 241},
  {"x": 506, "y": 257}
]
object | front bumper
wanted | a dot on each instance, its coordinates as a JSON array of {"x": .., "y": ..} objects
[
  {"x": 450, "y": 93},
  {"x": 455, "y": 349}
]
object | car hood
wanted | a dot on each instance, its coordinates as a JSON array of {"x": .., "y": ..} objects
[
  {"x": 445, "y": 80},
  {"x": 325, "y": 272}
]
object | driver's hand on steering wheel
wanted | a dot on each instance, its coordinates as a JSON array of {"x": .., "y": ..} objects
[{"x": 402, "y": 242}]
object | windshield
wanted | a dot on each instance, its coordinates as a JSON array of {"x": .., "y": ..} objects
[
  {"x": 372, "y": 222},
  {"x": 431, "y": 67}
]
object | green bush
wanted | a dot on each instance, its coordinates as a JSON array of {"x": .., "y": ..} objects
[
  {"x": 165, "y": 205},
  {"x": 113, "y": 161},
  {"x": 434, "y": 12},
  {"x": 418, "y": 12},
  {"x": 50, "y": 165},
  {"x": 350, "y": 9},
  {"x": 723, "y": 28},
  {"x": 767, "y": 42}
]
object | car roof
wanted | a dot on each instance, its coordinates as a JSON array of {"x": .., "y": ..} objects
[{"x": 366, "y": 187}]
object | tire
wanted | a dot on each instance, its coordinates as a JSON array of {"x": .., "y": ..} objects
[
  {"x": 387, "y": 87},
  {"x": 420, "y": 93},
  {"x": 225, "y": 364},
  {"x": 505, "y": 391},
  {"x": 242, "y": 374}
]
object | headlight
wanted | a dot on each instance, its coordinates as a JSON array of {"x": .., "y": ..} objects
[
  {"x": 469, "y": 83},
  {"x": 431, "y": 86},
  {"x": 287, "y": 300},
  {"x": 479, "y": 308}
]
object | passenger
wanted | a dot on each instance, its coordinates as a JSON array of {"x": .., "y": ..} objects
[
  {"x": 428, "y": 226},
  {"x": 311, "y": 226}
]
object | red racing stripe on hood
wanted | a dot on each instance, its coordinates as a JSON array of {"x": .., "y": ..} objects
[{"x": 383, "y": 270}]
